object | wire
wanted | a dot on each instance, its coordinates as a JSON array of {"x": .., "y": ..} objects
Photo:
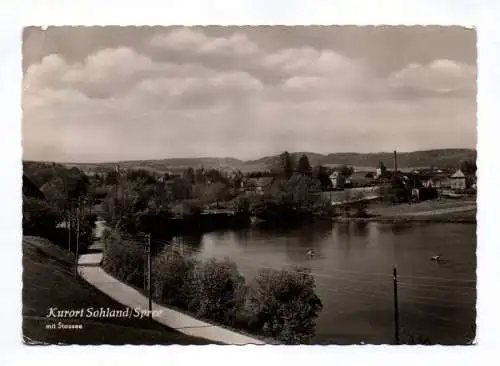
[
  {"x": 437, "y": 301},
  {"x": 418, "y": 285},
  {"x": 258, "y": 265},
  {"x": 438, "y": 279}
]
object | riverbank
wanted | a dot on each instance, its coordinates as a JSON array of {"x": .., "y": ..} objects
[{"x": 437, "y": 211}]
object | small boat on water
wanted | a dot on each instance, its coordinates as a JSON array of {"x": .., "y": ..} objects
[
  {"x": 310, "y": 253},
  {"x": 436, "y": 258}
]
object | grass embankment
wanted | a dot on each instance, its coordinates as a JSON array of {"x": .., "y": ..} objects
[
  {"x": 48, "y": 281},
  {"x": 442, "y": 210}
]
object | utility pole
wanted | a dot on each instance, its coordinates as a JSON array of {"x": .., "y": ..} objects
[
  {"x": 77, "y": 236},
  {"x": 68, "y": 223},
  {"x": 150, "y": 287},
  {"x": 396, "y": 315},
  {"x": 145, "y": 286}
]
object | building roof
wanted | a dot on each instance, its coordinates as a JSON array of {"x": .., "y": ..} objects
[
  {"x": 458, "y": 174},
  {"x": 440, "y": 177}
]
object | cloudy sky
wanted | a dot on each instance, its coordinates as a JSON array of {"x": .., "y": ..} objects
[{"x": 125, "y": 93}]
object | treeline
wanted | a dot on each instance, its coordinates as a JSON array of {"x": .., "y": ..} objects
[{"x": 64, "y": 215}]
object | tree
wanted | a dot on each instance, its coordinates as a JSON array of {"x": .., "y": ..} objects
[
  {"x": 346, "y": 171},
  {"x": 112, "y": 178},
  {"x": 303, "y": 166},
  {"x": 200, "y": 175},
  {"x": 468, "y": 166},
  {"x": 214, "y": 175},
  {"x": 286, "y": 164},
  {"x": 181, "y": 189},
  {"x": 324, "y": 178},
  {"x": 284, "y": 304},
  {"x": 141, "y": 175},
  {"x": 190, "y": 175},
  {"x": 218, "y": 285}
]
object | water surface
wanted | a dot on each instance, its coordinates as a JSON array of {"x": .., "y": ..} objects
[{"x": 353, "y": 272}]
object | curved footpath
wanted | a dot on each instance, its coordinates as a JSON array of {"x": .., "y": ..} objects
[{"x": 90, "y": 270}]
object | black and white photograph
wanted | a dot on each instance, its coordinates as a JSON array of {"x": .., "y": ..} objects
[{"x": 236, "y": 185}]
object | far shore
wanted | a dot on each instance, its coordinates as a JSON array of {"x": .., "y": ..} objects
[
  {"x": 438, "y": 211},
  {"x": 396, "y": 219}
]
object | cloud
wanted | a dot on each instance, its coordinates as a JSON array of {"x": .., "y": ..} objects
[
  {"x": 442, "y": 76},
  {"x": 121, "y": 103},
  {"x": 192, "y": 40}
]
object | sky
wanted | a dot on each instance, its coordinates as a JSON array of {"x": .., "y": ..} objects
[{"x": 95, "y": 94}]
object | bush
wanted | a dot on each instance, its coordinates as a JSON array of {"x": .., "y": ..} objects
[
  {"x": 173, "y": 278},
  {"x": 219, "y": 289},
  {"x": 283, "y": 305},
  {"x": 124, "y": 259},
  {"x": 278, "y": 304}
]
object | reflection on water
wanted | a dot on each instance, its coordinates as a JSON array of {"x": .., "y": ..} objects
[
  {"x": 353, "y": 272},
  {"x": 360, "y": 228}
]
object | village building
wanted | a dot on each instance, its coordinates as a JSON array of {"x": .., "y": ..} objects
[
  {"x": 458, "y": 181},
  {"x": 338, "y": 180},
  {"x": 257, "y": 185},
  {"x": 439, "y": 181}
]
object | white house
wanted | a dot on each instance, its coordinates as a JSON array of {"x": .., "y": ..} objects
[
  {"x": 337, "y": 179},
  {"x": 458, "y": 180}
]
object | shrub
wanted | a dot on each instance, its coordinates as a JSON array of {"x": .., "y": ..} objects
[
  {"x": 124, "y": 259},
  {"x": 283, "y": 305},
  {"x": 173, "y": 277},
  {"x": 219, "y": 289}
]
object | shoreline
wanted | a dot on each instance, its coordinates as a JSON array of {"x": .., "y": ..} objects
[{"x": 404, "y": 219}]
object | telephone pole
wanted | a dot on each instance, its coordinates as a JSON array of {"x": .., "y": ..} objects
[
  {"x": 77, "y": 236},
  {"x": 145, "y": 286},
  {"x": 68, "y": 224},
  {"x": 150, "y": 287},
  {"x": 396, "y": 315}
]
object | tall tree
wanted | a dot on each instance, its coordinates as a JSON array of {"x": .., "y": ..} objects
[
  {"x": 286, "y": 164},
  {"x": 468, "y": 166},
  {"x": 189, "y": 174},
  {"x": 382, "y": 167},
  {"x": 303, "y": 166},
  {"x": 346, "y": 171},
  {"x": 324, "y": 178},
  {"x": 200, "y": 175}
]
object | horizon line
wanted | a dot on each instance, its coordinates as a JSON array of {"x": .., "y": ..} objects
[{"x": 244, "y": 160}]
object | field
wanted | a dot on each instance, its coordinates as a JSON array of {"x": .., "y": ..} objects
[{"x": 48, "y": 281}]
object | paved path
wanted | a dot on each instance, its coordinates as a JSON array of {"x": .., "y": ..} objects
[{"x": 90, "y": 270}]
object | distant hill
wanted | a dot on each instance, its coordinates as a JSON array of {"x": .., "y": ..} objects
[
  {"x": 443, "y": 158},
  {"x": 440, "y": 158}
]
